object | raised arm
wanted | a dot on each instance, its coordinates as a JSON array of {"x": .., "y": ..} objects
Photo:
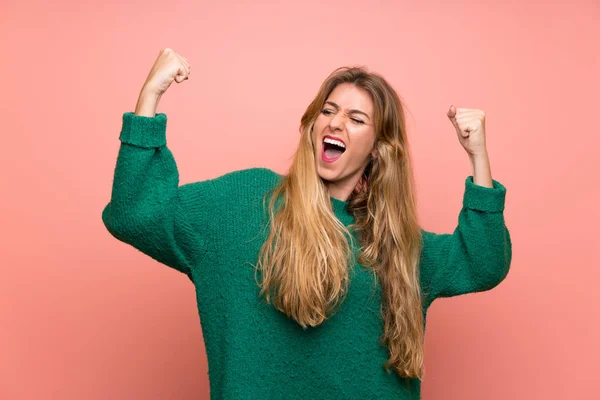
[
  {"x": 477, "y": 255},
  {"x": 148, "y": 209}
]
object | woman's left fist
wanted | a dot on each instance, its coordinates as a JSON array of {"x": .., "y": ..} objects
[{"x": 470, "y": 127}]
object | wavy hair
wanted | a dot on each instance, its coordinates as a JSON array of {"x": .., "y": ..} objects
[{"x": 304, "y": 261}]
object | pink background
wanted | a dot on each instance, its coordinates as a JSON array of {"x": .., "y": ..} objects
[{"x": 83, "y": 316}]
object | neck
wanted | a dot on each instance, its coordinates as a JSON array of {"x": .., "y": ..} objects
[{"x": 342, "y": 189}]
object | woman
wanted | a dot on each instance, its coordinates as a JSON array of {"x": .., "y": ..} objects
[{"x": 315, "y": 284}]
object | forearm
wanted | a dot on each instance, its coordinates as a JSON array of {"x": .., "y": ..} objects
[
  {"x": 482, "y": 173},
  {"x": 147, "y": 104}
]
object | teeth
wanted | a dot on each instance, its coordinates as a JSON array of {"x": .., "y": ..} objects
[{"x": 336, "y": 142}]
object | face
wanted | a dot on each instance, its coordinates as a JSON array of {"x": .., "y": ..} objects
[{"x": 346, "y": 120}]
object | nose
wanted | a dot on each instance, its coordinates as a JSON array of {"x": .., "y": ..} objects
[{"x": 336, "y": 122}]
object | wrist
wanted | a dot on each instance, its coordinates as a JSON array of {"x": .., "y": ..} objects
[
  {"x": 478, "y": 157},
  {"x": 149, "y": 92}
]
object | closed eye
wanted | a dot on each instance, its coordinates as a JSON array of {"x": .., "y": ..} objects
[{"x": 355, "y": 120}]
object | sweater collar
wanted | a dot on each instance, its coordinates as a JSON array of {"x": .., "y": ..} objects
[{"x": 340, "y": 209}]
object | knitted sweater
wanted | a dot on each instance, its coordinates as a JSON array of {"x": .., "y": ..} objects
[{"x": 212, "y": 232}]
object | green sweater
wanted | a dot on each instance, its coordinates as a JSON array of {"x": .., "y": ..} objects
[{"x": 211, "y": 231}]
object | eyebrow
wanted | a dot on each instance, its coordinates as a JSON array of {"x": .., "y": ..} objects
[{"x": 331, "y": 103}]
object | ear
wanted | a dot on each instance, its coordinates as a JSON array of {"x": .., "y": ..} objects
[{"x": 374, "y": 153}]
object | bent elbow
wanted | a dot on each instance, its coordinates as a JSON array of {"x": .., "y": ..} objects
[{"x": 498, "y": 266}]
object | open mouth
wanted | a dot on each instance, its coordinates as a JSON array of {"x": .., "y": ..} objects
[{"x": 333, "y": 148}]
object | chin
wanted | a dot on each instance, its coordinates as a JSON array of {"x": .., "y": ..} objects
[
  {"x": 325, "y": 173},
  {"x": 329, "y": 174}
]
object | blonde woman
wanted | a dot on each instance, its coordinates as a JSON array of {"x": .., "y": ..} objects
[{"x": 315, "y": 284}]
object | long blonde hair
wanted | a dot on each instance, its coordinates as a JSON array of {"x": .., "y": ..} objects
[{"x": 304, "y": 261}]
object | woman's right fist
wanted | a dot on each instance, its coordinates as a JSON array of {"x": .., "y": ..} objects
[{"x": 168, "y": 67}]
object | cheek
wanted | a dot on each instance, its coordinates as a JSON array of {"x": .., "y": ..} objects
[
  {"x": 362, "y": 140},
  {"x": 317, "y": 129},
  {"x": 319, "y": 124}
]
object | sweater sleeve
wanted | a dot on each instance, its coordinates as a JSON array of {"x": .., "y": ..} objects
[
  {"x": 476, "y": 257},
  {"x": 148, "y": 209}
]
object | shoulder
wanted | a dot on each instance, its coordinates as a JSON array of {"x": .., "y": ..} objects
[
  {"x": 257, "y": 178},
  {"x": 433, "y": 246},
  {"x": 255, "y": 174},
  {"x": 239, "y": 183}
]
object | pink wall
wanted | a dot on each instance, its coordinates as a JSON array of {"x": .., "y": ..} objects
[{"x": 83, "y": 316}]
